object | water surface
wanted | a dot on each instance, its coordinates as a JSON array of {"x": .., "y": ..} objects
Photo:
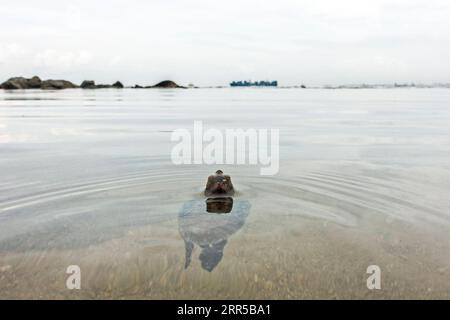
[{"x": 86, "y": 179}]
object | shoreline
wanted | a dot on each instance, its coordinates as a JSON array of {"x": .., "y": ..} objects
[
  {"x": 22, "y": 83},
  {"x": 224, "y": 87}
]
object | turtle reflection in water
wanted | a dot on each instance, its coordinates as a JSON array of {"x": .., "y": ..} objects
[{"x": 208, "y": 224}]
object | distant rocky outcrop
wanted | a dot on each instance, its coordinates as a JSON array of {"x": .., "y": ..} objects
[
  {"x": 162, "y": 84},
  {"x": 117, "y": 85},
  {"x": 35, "y": 82},
  {"x": 166, "y": 84},
  {"x": 90, "y": 84},
  {"x": 21, "y": 83}
]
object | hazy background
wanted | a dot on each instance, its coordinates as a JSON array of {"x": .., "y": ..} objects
[{"x": 211, "y": 43}]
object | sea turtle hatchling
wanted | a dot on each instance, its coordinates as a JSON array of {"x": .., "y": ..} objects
[{"x": 208, "y": 223}]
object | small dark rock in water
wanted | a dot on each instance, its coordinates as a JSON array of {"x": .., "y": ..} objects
[
  {"x": 88, "y": 84},
  {"x": 21, "y": 83},
  {"x": 136, "y": 86},
  {"x": 57, "y": 85},
  {"x": 117, "y": 85},
  {"x": 219, "y": 185},
  {"x": 166, "y": 84}
]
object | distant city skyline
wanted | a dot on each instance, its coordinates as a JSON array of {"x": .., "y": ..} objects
[{"x": 213, "y": 43}]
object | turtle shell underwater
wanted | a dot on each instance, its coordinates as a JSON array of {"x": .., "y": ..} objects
[{"x": 208, "y": 223}]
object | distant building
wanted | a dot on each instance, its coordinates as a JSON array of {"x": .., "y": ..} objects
[{"x": 254, "y": 84}]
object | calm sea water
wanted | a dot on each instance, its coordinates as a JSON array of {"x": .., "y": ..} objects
[{"x": 86, "y": 179}]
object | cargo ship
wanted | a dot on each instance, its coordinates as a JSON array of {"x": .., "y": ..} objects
[{"x": 254, "y": 84}]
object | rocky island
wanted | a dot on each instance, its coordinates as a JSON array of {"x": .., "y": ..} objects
[
  {"x": 90, "y": 84},
  {"x": 36, "y": 83},
  {"x": 22, "y": 83},
  {"x": 169, "y": 84}
]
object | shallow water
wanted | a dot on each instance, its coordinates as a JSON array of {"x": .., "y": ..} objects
[{"x": 87, "y": 180}]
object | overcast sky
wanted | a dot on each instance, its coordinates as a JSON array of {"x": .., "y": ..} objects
[{"x": 206, "y": 42}]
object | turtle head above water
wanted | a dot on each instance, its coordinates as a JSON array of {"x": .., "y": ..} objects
[{"x": 219, "y": 184}]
